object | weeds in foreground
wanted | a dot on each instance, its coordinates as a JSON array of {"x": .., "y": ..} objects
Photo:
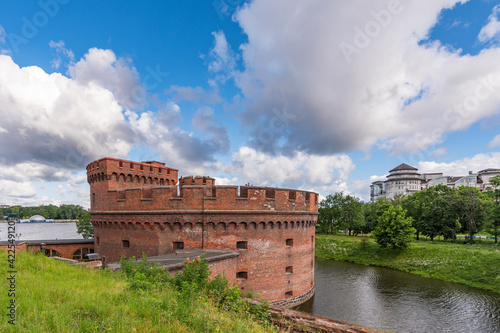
[
  {"x": 192, "y": 285},
  {"x": 52, "y": 296}
]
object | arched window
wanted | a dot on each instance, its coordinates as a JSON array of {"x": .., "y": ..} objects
[
  {"x": 51, "y": 253},
  {"x": 81, "y": 254}
]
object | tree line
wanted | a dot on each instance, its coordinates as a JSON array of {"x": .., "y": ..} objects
[
  {"x": 437, "y": 211},
  {"x": 62, "y": 212}
]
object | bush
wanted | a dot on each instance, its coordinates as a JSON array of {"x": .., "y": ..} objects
[
  {"x": 394, "y": 228},
  {"x": 192, "y": 285},
  {"x": 142, "y": 275}
]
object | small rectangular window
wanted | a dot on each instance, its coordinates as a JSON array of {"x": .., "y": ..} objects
[
  {"x": 131, "y": 165},
  {"x": 289, "y": 270},
  {"x": 97, "y": 240},
  {"x": 125, "y": 243},
  {"x": 141, "y": 167},
  {"x": 120, "y": 164},
  {"x": 241, "y": 245},
  {"x": 150, "y": 169},
  {"x": 178, "y": 245},
  {"x": 288, "y": 294},
  {"x": 160, "y": 170},
  {"x": 241, "y": 275},
  {"x": 289, "y": 242}
]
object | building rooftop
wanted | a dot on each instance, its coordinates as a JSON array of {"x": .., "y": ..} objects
[
  {"x": 173, "y": 261},
  {"x": 489, "y": 170},
  {"x": 454, "y": 179},
  {"x": 403, "y": 166}
]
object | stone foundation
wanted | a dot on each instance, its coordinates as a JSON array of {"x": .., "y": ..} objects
[{"x": 296, "y": 300}]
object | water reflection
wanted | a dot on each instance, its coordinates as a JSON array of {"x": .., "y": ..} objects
[{"x": 390, "y": 300}]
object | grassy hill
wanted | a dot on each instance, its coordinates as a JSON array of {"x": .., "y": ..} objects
[{"x": 53, "y": 296}]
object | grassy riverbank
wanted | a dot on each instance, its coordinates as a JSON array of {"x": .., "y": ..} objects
[
  {"x": 52, "y": 296},
  {"x": 473, "y": 265}
]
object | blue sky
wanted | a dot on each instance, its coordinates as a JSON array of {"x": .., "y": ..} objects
[{"x": 321, "y": 95}]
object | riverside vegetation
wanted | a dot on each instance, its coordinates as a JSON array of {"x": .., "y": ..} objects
[
  {"x": 474, "y": 265},
  {"x": 52, "y": 296},
  {"x": 403, "y": 226}
]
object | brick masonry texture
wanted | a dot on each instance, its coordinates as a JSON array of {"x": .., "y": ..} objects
[{"x": 138, "y": 207}]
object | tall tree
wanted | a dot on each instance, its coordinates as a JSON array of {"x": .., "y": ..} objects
[
  {"x": 439, "y": 216},
  {"x": 352, "y": 216},
  {"x": 329, "y": 213},
  {"x": 394, "y": 229},
  {"x": 372, "y": 211},
  {"x": 470, "y": 204},
  {"x": 494, "y": 209}
]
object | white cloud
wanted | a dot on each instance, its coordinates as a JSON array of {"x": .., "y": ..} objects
[
  {"x": 51, "y": 126},
  {"x": 204, "y": 121},
  {"x": 55, "y": 120},
  {"x": 491, "y": 31},
  {"x": 196, "y": 95},
  {"x": 323, "y": 174},
  {"x": 26, "y": 184},
  {"x": 361, "y": 187},
  {"x": 462, "y": 167},
  {"x": 118, "y": 75},
  {"x": 2, "y": 34},
  {"x": 391, "y": 92},
  {"x": 175, "y": 146},
  {"x": 60, "y": 52},
  {"x": 221, "y": 58},
  {"x": 495, "y": 142},
  {"x": 439, "y": 151}
]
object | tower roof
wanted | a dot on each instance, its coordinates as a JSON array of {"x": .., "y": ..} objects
[{"x": 403, "y": 166}]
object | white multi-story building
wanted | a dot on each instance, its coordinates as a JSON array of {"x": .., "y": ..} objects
[{"x": 405, "y": 180}]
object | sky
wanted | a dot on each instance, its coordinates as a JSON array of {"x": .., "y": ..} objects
[{"x": 321, "y": 95}]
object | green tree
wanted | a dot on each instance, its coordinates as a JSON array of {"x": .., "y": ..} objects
[
  {"x": 340, "y": 212},
  {"x": 494, "y": 208},
  {"x": 394, "y": 229},
  {"x": 439, "y": 216},
  {"x": 471, "y": 205},
  {"x": 84, "y": 226},
  {"x": 433, "y": 212},
  {"x": 329, "y": 213},
  {"x": 51, "y": 211},
  {"x": 416, "y": 205},
  {"x": 373, "y": 210},
  {"x": 352, "y": 216}
]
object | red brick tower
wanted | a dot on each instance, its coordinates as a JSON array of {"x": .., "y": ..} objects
[{"x": 137, "y": 207}]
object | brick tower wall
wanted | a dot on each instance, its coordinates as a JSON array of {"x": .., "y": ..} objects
[{"x": 275, "y": 225}]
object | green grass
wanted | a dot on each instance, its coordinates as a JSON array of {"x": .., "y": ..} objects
[
  {"x": 475, "y": 265},
  {"x": 52, "y": 296}
]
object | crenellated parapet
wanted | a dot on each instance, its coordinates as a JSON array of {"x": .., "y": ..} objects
[
  {"x": 207, "y": 197},
  {"x": 113, "y": 173}
]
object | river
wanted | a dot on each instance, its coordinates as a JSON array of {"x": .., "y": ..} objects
[
  {"x": 386, "y": 299},
  {"x": 41, "y": 231}
]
